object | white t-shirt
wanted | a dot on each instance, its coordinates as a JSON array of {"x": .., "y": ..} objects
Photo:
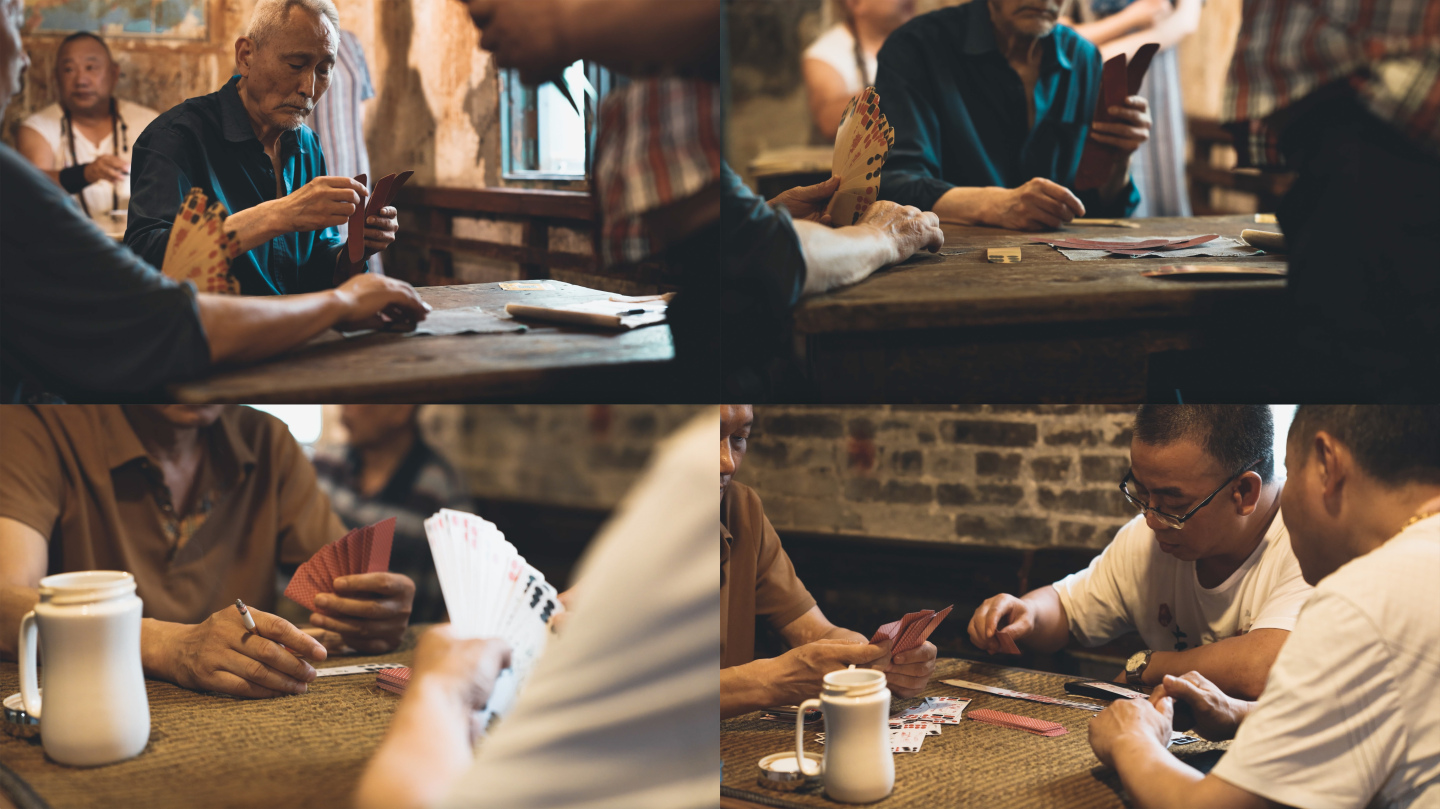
[
  {"x": 836, "y": 48},
  {"x": 1133, "y": 585},
  {"x": 621, "y": 709},
  {"x": 1350, "y": 716},
  {"x": 99, "y": 197}
]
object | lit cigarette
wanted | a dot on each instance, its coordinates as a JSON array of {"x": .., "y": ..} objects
[{"x": 245, "y": 616}]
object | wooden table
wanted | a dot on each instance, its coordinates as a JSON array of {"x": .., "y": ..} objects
[
  {"x": 956, "y": 328},
  {"x": 217, "y": 751},
  {"x": 971, "y": 764},
  {"x": 547, "y": 361}
]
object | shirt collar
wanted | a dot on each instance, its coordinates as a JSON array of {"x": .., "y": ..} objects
[
  {"x": 231, "y": 459},
  {"x": 980, "y": 37},
  {"x": 235, "y": 121}
]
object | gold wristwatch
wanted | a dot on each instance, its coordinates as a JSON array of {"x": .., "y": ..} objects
[{"x": 1135, "y": 666}]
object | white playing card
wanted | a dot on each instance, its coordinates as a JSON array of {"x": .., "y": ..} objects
[{"x": 492, "y": 592}]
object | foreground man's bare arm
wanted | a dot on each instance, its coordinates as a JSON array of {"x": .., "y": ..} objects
[{"x": 245, "y": 329}]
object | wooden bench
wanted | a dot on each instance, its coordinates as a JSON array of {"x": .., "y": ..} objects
[
  {"x": 1207, "y": 136},
  {"x": 426, "y": 246}
]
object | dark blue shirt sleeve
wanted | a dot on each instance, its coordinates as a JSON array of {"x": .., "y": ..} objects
[
  {"x": 82, "y": 314},
  {"x": 912, "y": 171}
]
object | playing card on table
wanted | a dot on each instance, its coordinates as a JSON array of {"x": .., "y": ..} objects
[
  {"x": 937, "y": 710},
  {"x": 1016, "y": 722},
  {"x": 902, "y": 740},
  {"x": 930, "y": 728}
]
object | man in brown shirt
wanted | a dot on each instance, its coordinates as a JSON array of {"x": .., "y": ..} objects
[
  {"x": 758, "y": 580},
  {"x": 200, "y": 505}
]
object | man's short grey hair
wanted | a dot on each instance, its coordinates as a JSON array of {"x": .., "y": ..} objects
[{"x": 270, "y": 15}]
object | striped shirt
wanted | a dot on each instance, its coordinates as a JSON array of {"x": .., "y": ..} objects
[
  {"x": 339, "y": 118},
  {"x": 1386, "y": 51},
  {"x": 659, "y": 142}
]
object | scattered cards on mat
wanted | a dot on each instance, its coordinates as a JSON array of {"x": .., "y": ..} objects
[{"x": 524, "y": 286}]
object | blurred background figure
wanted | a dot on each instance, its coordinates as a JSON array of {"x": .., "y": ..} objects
[
  {"x": 82, "y": 141},
  {"x": 842, "y": 61},
  {"x": 339, "y": 120},
  {"x": 385, "y": 469},
  {"x": 1121, "y": 26}
]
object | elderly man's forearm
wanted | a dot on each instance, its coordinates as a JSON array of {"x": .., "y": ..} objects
[
  {"x": 14, "y": 603},
  {"x": 255, "y": 226},
  {"x": 836, "y": 257},
  {"x": 1238, "y": 665},
  {"x": 966, "y": 206},
  {"x": 748, "y": 688},
  {"x": 245, "y": 329},
  {"x": 426, "y": 749}
]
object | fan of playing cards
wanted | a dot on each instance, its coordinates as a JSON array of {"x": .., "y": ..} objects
[
  {"x": 364, "y": 550},
  {"x": 910, "y": 631},
  {"x": 200, "y": 248},
  {"x": 861, "y": 146},
  {"x": 492, "y": 592}
]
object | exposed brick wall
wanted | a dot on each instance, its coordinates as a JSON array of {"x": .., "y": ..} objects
[
  {"x": 582, "y": 456},
  {"x": 993, "y": 475}
]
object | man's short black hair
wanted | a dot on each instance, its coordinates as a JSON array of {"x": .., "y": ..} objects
[
  {"x": 1395, "y": 444},
  {"x": 1236, "y": 436},
  {"x": 84, "y": 35}
]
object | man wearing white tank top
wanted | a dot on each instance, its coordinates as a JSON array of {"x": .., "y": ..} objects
[
  {"x": 83, "y": 140},
  {"x": 1350, "y": 716}
]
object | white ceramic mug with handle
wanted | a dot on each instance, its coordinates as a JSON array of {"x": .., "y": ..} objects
[
  {"x": 858, "y": 766},
  {"x": 95, "y": 710}
]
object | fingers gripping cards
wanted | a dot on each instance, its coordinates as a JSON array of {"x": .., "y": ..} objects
[
  {"x": 492, "y": 592},
  {"x": 911, "y": 631},
  {"x": 200, "y": 249},
  {"x": 861, "y": 146},
  {"x": 364, "y": 550}
]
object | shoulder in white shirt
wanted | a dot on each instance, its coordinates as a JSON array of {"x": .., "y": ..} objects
[
  {"x": 836, "y": 48},
  {"x": 1134, "y": 585},
  {"x": 1350, "y": 715}
]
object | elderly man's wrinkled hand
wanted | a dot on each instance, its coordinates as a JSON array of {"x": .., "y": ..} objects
[
  {"x": 220, "y": 654},
  {"x": 380, "y": 230},
  {"x": 376, "y": 301},
  {"x": 909, "y": 228},
  {"x": 368, "y": 610},
  {"x": 808, "y": 202},
  {"x": 909, "y": 672},
  {"x": 324, "y": 202},
  {"x": 1039, "y": 204},
  {"x": 1133, "y": 720}
]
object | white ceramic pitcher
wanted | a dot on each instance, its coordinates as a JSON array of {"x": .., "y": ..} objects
[
  {"x": 95, "y": 710},
  {"x": 858, "y": 766}
]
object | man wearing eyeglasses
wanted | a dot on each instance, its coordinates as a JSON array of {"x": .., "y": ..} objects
[{"x": 1204, "y": 574}]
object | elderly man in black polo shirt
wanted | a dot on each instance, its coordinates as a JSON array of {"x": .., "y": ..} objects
[
  {"x": 246, "y": 146},
  {"x": 992, "y": 104},
  {"x": 82, "y": 316}
]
